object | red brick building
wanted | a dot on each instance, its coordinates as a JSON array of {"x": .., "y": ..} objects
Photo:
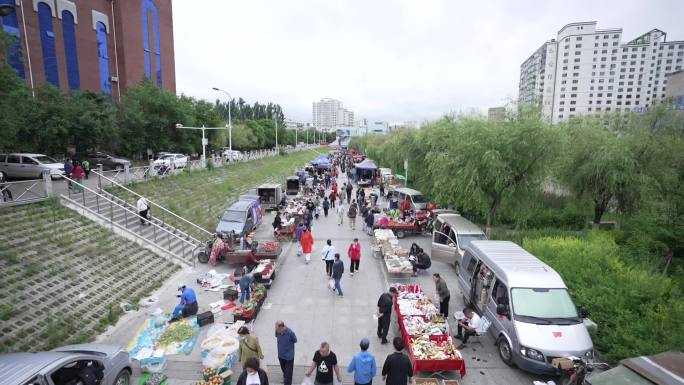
[{"x": 98, "y": 45}]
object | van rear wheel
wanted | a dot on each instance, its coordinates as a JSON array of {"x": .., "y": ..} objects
[{"x": 505, "y": 351}]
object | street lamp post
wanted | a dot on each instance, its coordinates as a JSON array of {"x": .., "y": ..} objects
[
  {"x": 276, "y": 128},
  {"x": 230, "y": 121},
  {"x": 204, "y": 139}
]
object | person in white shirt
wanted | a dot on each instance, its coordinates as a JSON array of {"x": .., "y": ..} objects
[
  {"x": 341, "y": 212},
  {"x": 468, "y": 326},
  {"x": 143, "y": 210},
  {"x": 328, "y": 255}
]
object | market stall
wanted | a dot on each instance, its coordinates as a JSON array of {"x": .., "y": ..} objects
[
  {"x": 322, "y": 162},
  {"x": 395, "y": 257},
  {"x": 157, "y": 338},
  {"x": 425, "y": 332},
  {"x": 365, "y": 171}
]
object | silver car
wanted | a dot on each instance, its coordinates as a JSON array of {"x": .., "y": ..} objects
[
  {"x": 61, "y": 366},
  {"x": 29, "y": 166}
]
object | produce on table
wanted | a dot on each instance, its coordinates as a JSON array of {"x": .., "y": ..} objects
[
  {"x": 424, "y": 348},
  {"x": 247, "y": 309},
  {"x": 216, "y": 380},
  {"x": 177, "y": 332},
  {"x": 202, "y": 383},
  {"x": 208, "y": 373},
  {"x": 417, "y": 325},
  {"x": 269, "y": 246}
]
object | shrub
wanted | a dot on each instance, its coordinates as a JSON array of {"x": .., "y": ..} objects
[{"x": 638, "y": 312}]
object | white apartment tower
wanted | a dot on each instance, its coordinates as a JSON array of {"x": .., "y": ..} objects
[
  {"x": 586, "y": 70},
  {"x": 329, "y": 114}
]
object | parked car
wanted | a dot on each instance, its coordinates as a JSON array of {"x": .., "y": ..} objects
[
  {"x": 62, "y": 366},
  {"x": 241, "y": 217},
  {"x": 233, "y": 155},
  {"x": 451, "y": 235},
  {"x": 109, "y": 162},
  {"x": 178, "y": 161},
  {"x": 31, "y": 166},
  {"x": 533, "y": 318}
]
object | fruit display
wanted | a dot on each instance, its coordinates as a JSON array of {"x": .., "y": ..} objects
[
  {"x": 247, "y": 309},
  {"x": 425, "y": 348},
  {"x": 269, "y": 246},
  {"x": 260, "y": 293},
  {"x": 207, "y": 373},
  {"x": 216, "y": 380}
]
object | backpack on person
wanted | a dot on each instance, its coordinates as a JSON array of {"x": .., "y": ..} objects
[{"x": 352, "y": 211}]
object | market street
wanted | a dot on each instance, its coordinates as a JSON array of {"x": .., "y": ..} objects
[{"x": 300, "y": 297}]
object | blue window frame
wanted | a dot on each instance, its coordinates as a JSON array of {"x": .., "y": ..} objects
[
  {"x": 103, "y": 56},
  {"x": 10, "y": 25},
  {"x": 69, "y": 32},
  {"x": 47, "y": 42},
  {"x": 148, "y": 7}
]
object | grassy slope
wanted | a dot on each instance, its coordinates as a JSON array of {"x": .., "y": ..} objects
[
  {"x": 201, "y": 196},
  {"x": 63, "y": 277}
]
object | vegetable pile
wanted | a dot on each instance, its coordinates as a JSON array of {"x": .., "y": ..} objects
[{"x": 177, "y": 332}]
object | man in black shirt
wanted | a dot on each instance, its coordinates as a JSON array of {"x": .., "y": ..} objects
[
  {"x": 385, "y": 304},
  {"x": 324, "y": 362},
  {"x": 397, "y": 369}
]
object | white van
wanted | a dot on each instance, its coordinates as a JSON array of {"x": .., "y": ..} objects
[
  {"x": 418, "y": 202},
  {"x": 451, "y": 235},
  {"x": 532, "y": 315}
]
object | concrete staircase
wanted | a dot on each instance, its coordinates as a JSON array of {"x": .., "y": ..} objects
[{"x": 121, "y": 217}]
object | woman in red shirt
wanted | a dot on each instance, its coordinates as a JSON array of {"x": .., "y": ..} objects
[
  {"x": 77, "y": 174},
  {"x": 354, "y": 253}
]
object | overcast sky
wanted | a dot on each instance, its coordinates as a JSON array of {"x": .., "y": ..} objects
[{"x": 390, "y": 60}]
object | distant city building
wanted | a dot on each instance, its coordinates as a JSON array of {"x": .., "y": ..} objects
[
  {"x": 329, "y": 114},
  {"x": 410, "y": 124},
  {"x": 378, "y": 128},
  {"x": 587, "y": 70},
  {"x": 95, "y": 45},
  {"x": 496, "y": 113},
  {"x": 675, "y": 88}
]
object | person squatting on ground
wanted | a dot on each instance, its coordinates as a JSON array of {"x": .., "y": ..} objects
[
  {"x": 188, "y": 303},
  {"x": 467, "y": 327}
]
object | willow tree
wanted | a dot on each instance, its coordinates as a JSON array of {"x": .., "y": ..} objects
[{"x": 477, "y": 163}]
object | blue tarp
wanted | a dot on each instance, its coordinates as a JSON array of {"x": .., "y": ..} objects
[
  {"x": 367, "y": 164},
  {"x": 321, "y": 161}
]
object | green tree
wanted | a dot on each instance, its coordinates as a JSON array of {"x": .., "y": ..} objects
[
  {"x": 601, "y": 163},
  {"x": 477, "y": 163}
]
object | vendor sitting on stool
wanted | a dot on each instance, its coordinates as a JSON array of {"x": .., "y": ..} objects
[
  {"x": 422, "y": 261},
  {"x": 188, "y": 303}
]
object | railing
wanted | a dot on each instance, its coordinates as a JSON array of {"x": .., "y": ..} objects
[
  {"x": 114, "y": 183},
  {"x": 161, "y": 236},
  {"x": 24, "y": 192}
]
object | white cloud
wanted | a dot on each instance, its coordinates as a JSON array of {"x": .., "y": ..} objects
[{"x": 386, "y": 59}]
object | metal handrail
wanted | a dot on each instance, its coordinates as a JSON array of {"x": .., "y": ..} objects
[
  {"x": 156, "y": 226},
  {"x": 26, "y": 192},
  {"x": 208, "y": 233},
  {"x": 127, "y": 230}
]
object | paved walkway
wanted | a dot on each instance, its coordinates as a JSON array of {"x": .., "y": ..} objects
[{"x": 300, "y": 297}]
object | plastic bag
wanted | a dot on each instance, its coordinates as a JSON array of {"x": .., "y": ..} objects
[
  {"x": 331, "y": 284},
  {"x": 218, "y": 356},
  {"x": 307, "y": 381}
]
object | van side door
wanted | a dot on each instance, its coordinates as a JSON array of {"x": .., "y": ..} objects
[
  {"x": 500, "y": 295},
  {"x": 468, "y": 270},
  {"x": 441, "y": 244}
]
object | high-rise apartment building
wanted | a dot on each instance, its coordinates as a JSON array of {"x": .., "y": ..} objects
[
  {"x": 587, "y": 70},
  {"x": 329, "y": 114},
  {"x": 103, "y": 46}
]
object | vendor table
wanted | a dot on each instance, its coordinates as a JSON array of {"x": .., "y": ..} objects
[{"x": 422, "y": 365}]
